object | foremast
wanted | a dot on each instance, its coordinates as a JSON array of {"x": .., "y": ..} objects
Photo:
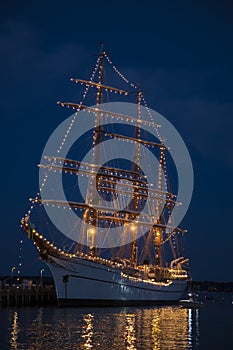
[
  {"x": 134, "y": 248},
  {"x": 96, "y": 141}
]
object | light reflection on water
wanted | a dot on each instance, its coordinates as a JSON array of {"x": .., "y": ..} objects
[
  {"x": 88, "y": 331},
  {"x": 154, "y": 328},
  {"x": 14, "y": 330}
]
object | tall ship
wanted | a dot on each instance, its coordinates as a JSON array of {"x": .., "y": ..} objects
[{"x": 102, "y": 220}]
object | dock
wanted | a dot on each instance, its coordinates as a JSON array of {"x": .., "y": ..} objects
[
  {"x": 27, "y": 291},
  {"x": 38, "y": 296}
]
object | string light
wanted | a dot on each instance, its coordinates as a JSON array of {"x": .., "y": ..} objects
[
  {"x": 119, "y": 73},
  {"x": 155, "y": 198},
  {"x": 67, "y": 132},
  {"x": 83, "y": 98},
  {"x": 19, "y": 268},
  {"x": 152, "y": 119}
]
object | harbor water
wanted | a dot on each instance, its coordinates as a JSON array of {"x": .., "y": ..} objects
[{"x": 163, "y": 327}]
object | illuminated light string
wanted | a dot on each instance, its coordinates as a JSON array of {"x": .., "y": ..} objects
[
  {"x": 77, "y": 110},
  {"x": 34, "y": 200},
  {"x": 67, "y": 133},
  {"x": 118, "y": 215},
  {"x": 87, "y": 89},
  {"x": 151, "y": 118},
  {"x": 81, "y": 102},
  {"x": 73, "y": 120},
  {"x": 173, "y": 237},
  {"x": 164, "y": 165},
  {"x": 135, "y": 87},
  {"x": 19, "y": 267},
  {"x": 119, "y": 73},
  {"x": 97, "y": 259},
  {"x": 103, "y": 180},
  {"x": 43, "y": 184}
]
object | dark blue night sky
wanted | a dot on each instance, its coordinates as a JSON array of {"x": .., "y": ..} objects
[{"x": 180, "y": 51}]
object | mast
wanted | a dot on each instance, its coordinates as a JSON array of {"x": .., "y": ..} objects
[
  {"x": 91, "y": 216},
  {"x": 158, "y": 228},
  {"x": 99, "y": 88},
  {"x": 134, "y": 248},
  {"x": 96, "y": 140}
]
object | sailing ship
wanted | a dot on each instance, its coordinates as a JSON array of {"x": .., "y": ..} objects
[{"x": 147, "y": 267}]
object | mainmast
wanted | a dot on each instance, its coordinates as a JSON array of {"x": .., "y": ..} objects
[
  {"x": 158, "y": 228},
  {"x": 99, "y": 87},
  {"x": 97, "y": 131}
]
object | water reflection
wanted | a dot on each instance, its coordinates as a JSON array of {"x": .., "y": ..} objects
[
  {"x": 14, "y": 329},
  {"x": 130, "y": 337},
  {"x": 169, "y": 328},
  {"x": 88, "y": 331},
  {"x": 193, "y": 328},
  {"x": 156, "y": 332},
  {"x": 154, "y": 328}
]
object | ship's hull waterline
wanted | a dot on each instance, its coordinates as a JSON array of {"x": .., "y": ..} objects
[{"x": 83, "y": 282}]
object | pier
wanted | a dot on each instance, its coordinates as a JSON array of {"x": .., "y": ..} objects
[
  {"x": 40, "y": 296},
  {"x": 27, "y": 291}
]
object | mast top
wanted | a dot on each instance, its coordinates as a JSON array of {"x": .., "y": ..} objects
[{"x": 102, "y": 48}]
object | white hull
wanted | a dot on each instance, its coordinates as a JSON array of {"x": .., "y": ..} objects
[{"x": 93, "y": 283}]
